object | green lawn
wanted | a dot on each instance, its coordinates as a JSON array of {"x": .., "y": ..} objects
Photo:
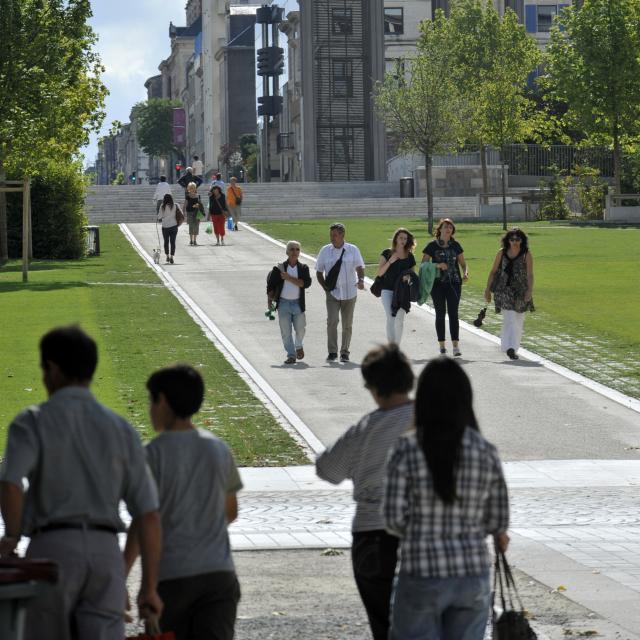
[
  {"x": 139, "y": 326},
  {"x": 587, "y": 290}
]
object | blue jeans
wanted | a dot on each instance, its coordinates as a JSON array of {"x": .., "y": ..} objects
[
  {"x": 440, "y": 608},
  {"x": 290, "y": 316}
]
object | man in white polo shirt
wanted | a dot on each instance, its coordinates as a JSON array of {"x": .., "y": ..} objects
[{"x": 341, "y": 297}]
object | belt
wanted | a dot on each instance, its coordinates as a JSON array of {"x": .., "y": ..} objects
[{"x": 54, "y": 526}]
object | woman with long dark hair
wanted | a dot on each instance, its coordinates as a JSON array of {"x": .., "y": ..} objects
[
  {"x": 394, "y": 262},
  {"x": 511, "y": 281},
  {"x": 167, "y": 215},
  {"x": 448, "y": 256},
  {"x": 444, "y": 494}
]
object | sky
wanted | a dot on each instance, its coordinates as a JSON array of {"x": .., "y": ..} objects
[{"x": 133, "y": 38}]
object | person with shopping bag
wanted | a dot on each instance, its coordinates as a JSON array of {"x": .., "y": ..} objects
[{"x": 218, "y": 212}]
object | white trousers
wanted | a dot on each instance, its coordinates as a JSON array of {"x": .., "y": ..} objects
[
  {"x": 512, "y": 327},
  {"x": 395, "y": 325}
]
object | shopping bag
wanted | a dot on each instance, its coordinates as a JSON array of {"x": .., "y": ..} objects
[
  {"x": 152, "y": 631},
  {"x": 230, "y": 223},
  {"x": 511, "y": 623},
  {"x": 209, "y": 228}
]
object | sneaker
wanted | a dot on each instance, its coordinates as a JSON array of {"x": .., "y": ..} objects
[
  {"x": 235, "y": 227},
  {"x": 344, "y": 357},
  {"x": 222, "y": 242},
  {"x": 512, "y": 354},
  {"x": 290, "y": 360},
  {"x": 167, "y": 261},
  {"x": 191, "y": 243},
  {"x": 171, "y": 259},
  {"x": 300, "y": 353},
  {"x": 332, "y": 356},
  {"x": 456, "y": 352},
  {"x": 443, "y": 351}
]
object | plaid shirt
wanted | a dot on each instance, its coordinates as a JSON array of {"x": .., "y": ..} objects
[{"x": 445, "y": 540}]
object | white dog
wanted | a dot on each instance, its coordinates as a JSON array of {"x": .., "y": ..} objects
[{"x": 156, "y": 256}]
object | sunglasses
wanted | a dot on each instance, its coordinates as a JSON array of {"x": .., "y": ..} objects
[
  {"x": 294, "y": 249},
  {"x": 515, "y": 239}
]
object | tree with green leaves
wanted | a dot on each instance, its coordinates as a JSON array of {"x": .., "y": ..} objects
[
  {"x": 420, "y": 103},
  {"x": 51, "y": 95},
  {"x": 154, "y": 126},
  {"x": 593, "y": 66},
  {"x": 492, "y": 57}
]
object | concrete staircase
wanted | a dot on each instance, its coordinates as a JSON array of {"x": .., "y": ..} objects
[{"x": 108, "y": 204}]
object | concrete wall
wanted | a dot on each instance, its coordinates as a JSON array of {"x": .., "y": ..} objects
[
  {"x": 520, "y": 211},
  {"x": 458, "y": 180}
]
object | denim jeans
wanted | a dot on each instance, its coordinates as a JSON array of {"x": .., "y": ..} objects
[
  {"x": 291, "y": 317},
  {"x": 440, "y": 608},
  {"x": 394, "y": 325}
]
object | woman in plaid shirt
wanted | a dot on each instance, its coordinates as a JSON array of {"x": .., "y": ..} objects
[{"x": 444, "y": 494}]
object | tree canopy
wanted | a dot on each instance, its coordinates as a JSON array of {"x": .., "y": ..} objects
[{"x": 154, "y": 125}]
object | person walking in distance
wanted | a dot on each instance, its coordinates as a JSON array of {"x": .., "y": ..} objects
[
  {"x": 360, "y": 454},
  {"x": 79, "y": 460},
  {"x": 448, "y": 256},
  {"x": 162, "y": 189},
  {"x": 286, "y": 287},
  {"x": 234, "y": 201},
  {"x": 197, "y": 167},
  {"x": 218, "y": 213},
  {"x": 195, "y": 212},
  {"x": 340, "y": 272},
  {"x": 511, "y": 281},
  {"x": 394, "y": 263},
  {"x": 168, "y": 216}
]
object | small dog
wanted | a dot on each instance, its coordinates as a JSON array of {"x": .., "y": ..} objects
[{"x": 156, "y": 256}]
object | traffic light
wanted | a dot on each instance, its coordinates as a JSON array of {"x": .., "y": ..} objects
[
  {"x": 269, "y": 105},
  {"x": 270, "y": 61},
  {"x": 178, "y": 166},
  {"x": 133, "y": 177}
]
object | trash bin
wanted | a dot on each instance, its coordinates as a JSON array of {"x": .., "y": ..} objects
[
  {"x": 93, "y": 240},
  {"x": 20, "y": 581},
  {"x": 406, "y": 188}
]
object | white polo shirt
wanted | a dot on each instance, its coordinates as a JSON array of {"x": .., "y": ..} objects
[{"x": 346, "y": 287}]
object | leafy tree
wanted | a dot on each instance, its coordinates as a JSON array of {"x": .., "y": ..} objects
[
  {"x": 249, "y": 151},
  {"x": 421, "y": 104},
  {"x": 593, "y": 65},
  {"x": 492, "y": 57},
  {"x": 154, "y": 122},
  {"x": 51, "y": 95}
]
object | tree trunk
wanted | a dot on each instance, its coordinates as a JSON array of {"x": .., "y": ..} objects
[
  {"x": 427, "y": 166},
  {"x": 617, "y": 163},
  {"x": 504, "y": 191},
  {"x": 4, "y": 244},
  {"x": 485, "y": 176}
]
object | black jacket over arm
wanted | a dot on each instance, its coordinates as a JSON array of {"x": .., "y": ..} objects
[{"x": 275, "y": 282}]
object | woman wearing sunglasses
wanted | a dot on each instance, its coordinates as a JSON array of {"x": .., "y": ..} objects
[{"x": 511, "y": 281}]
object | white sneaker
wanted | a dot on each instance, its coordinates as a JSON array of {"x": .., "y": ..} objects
[
  {"x": 222, "y": 242},
  {"x": 456, "y": 352}
]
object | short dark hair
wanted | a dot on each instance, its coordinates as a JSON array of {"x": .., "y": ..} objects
[
  {"x": 163, "y": 178},
  {"x": 182, "y": 386},
  {"x": 337, "y": 226},
  {"x": 195, "y": 157},
  {"x": 218, "y": 176},
  {"x": 387, "y": 370},
  {"x": 74, "y": 351}
]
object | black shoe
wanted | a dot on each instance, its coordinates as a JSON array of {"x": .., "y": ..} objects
[
  {"x": 344, "y": 357},
  {"x": 512, "y": 354},
  {"x": 171, "y": 259},
  {"x": 235, "y": 228},
  {"x": 290, "y": 360},
  {"x": 443, "y": 351},
  {"x": 332, "y": 356}
]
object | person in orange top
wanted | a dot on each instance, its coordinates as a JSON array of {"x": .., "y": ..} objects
[{"x": 234, "y": 201}]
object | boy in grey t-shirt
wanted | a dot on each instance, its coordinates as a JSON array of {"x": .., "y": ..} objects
[{"x": 197, "y": 484}]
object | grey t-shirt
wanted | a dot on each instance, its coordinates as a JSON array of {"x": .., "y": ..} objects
[
  {"x": 195, "y": 471},
  {"x": 80, "y": 460},
  {"x": 361, "y": 454}
]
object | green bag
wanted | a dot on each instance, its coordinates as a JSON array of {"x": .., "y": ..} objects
[{"x": 209, "y": 229}]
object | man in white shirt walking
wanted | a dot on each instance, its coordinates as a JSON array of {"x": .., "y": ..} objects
[
  {"x": 162, "y": 188},
  {"x": 341, "y": 286},
  {"x": 197, "y": 166}
]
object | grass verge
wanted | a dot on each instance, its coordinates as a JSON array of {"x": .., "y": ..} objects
[
  {"x": 586, "y": 292},
  {"x": 139, "y": 326}
]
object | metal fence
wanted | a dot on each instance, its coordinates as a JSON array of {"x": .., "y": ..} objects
[{"x": 535, "y": 160}]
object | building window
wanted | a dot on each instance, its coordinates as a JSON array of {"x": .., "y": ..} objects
[
  {"x": 342, "y": 79},
  {"x": 341, "y": 22},
  {"x": 546, "y": 14},
  {"x": 393, "y": 21},
  {"x": 343, "y": 145}
]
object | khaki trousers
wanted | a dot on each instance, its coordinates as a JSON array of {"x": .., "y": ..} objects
[{"x": 337, "y": 310}]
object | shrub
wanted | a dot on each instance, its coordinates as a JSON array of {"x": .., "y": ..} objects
[
  {"x": 591, "y": 190},
  {"x": 57, "y": 214},
  {"x": 553, "y": 204}
]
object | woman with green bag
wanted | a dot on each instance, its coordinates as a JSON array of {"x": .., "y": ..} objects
[{"x": 195, "y": 212}]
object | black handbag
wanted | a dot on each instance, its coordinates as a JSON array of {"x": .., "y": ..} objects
[
  {"x": 331, "y": 280},
  {"x": 512, "y": 623},
  {"x": 376, "y": 287}
]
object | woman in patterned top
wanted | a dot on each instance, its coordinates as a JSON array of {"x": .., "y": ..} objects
[
  {"x": 511, "y": 280},
  {"x": 448, "y": 256},
  {"x": 444, "y": 494}
]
